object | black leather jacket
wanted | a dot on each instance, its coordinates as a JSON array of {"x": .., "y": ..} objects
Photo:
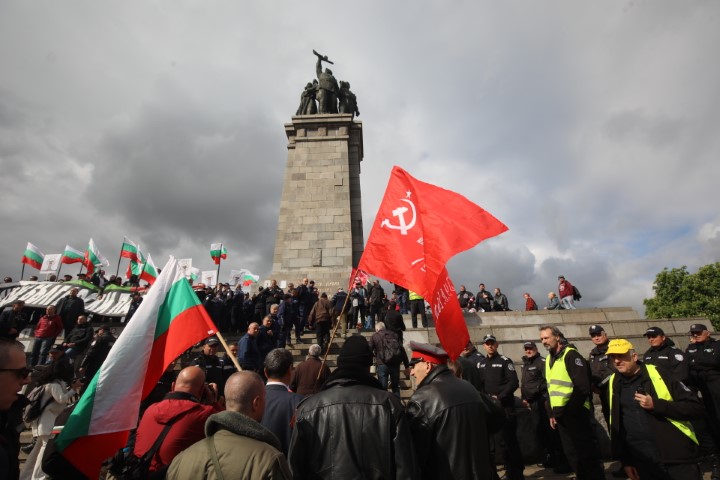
[
  {"x": 352, "y": 429},
  {"x": 534, "y": 387},
  {"x": 449, "y": 428}
]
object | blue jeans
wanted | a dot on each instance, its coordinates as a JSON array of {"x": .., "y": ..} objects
[
  {"x": 40, "y": 349},
  {"x": 567, "y": 303},
  {"x": 393, "y": 373}
]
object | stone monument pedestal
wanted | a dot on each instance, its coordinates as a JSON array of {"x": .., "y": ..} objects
[{"x": 320, "y": 232}]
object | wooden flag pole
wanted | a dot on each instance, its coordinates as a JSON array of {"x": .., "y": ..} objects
[{"x": 227, "y": 351}]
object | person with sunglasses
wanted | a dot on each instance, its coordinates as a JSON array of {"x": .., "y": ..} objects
[
  {"x": 14, "y": 374},
  {"x": 665, "y": 356}
]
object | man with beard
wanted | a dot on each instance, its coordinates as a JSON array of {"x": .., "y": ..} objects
[{"x": 569, "y": 389}]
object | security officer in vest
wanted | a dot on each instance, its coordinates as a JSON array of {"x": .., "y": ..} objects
[
  {"x": 600, "y": 366},
  {"x": 704, "y": 356},
  {"x": 649, "y": 412},
  {"x": 500, "y": 381},
  {"x": 417, "y": 305},
  {"x": 569, "y": 388},
  {"x": 534, "y": 394},
  {"x": 663, "y": 354}
]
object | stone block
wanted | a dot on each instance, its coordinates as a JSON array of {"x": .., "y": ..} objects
[{"x": 298, "y": 245}]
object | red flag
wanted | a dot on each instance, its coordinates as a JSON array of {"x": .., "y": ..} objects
[
  {"x": 418, "y": 228},
  {"x": 357, "y": 276}
]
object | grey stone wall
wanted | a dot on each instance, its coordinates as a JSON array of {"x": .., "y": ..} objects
[{"x": 320, "y": 231}]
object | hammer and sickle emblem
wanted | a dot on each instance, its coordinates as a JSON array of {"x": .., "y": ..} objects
[{"x": 400, "y": 213}]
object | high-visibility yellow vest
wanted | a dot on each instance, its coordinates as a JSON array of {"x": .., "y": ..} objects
[
  {"x": 414, "y": 296},
  {"x": 559, "y": 383},
  {"x": 664, "y": 394}
]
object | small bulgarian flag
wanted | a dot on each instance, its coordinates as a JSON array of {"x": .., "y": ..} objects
[
  {"x": 130, "y": 250},
  {"x": 94, "y": 258},
  {"x": 149, "y": 272},
  {"x": 247, "y": 277},
  {"x": 70, "y": 255},
  {"x": 217, "y": 251},
  {"x": 33, "y": 256},
  {"x": 169, "y": 321}
]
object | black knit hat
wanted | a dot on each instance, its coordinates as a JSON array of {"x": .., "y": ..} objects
[{"x": 355, "y": 353}]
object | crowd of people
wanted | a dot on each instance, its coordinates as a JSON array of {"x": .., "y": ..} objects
[
  {"x": 484, "y": 301},
  {"x": 276, "y": 419}
]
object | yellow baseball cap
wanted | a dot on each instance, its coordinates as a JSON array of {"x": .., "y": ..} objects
[{"x": 619, "y": 347}]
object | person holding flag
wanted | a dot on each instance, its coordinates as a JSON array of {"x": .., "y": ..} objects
[{"x": 169, "y": 321}]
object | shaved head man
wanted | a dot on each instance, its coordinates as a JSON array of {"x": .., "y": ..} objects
[
  {"x": 244, "y": 448},
  {"x": 185, "y": 409}
]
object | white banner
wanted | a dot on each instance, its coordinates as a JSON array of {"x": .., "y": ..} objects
[
  {"x": 209, "y": 278},
  {"x": 185, "y": 264},
  {"x": 41, "y": 294},
  {"x": 51, "y": 264}
]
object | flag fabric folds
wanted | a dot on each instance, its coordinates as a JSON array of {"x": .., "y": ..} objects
[
  {"x": 169, "y": 321},
  {"x": 418, "y": 228},
  {"x": 93, "y": 258},
  {"x": 70, "y": 256},
  {"x": 358, "y": 276},
  {"x": 218, "y": 251},
  {"x": 248, "y": 278},
  {"x": 32, "y": 256},
  {"x": 130, "y": 250},
  {"x": 149, "y": 272}
]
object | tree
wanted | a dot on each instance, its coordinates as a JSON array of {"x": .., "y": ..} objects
[{"x": 680, "y": 294}]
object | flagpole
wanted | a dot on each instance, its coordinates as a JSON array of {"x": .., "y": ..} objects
[
  {"x": 22, "y": 272},
  {"x": 337, "y": 324},
  {"x": 82, "y": 264},
  {"x": 217, "y": 278},
  {"x": 58, "y": 272},
  {"x": 117, "y": 271},
  {"x": 227, "y": 351}
]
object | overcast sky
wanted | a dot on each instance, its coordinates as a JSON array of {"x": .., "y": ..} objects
[{"x": 591, "y": 129}]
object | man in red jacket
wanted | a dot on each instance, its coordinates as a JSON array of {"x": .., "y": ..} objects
[
  {"x": 187, "y": 407},
  {"x": 48, "y": 328},
  {"x": 565, "y": 289}
]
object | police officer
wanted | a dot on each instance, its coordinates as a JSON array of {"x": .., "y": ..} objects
[
  {"x": 533, "y": 392},
  {"x": 664, "y": 355},
  {"x": 500, "y": 381},
  {"x": 600, "y": 367},
  {"x": 469, "y": 360},
  {"x": 214, "y": 366},
  {"x": 704, "y": 358},
  {"x": 569, "y": 389}
]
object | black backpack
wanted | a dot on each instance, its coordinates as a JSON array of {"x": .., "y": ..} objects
[
  {"x": 126, "y": 466},
  {"x": 576, "y": 294},
  {"x": 390, "y": 348},
  {"x": 35, "y": 408}
]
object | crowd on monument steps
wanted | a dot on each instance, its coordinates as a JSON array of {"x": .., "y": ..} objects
[{"x": 275, "y": 419}]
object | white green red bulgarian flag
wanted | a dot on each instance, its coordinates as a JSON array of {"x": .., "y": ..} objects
[
  {"x": 169, "y": 321},
  {"x": 33, "y": 256},
  {"x": 217, "y": 251},
  {"x": 130, "y": 250},
  {"x": 149, "y": 273},
  {"x": 70, "y": 255},
  {"x": 93, "y": 258},
  {"x": 248, "y": 278}
]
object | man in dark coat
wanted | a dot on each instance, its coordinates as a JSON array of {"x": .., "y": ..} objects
[
  {"x": 96, "y": 354},
  {"x": 12, "y": 320},
  {"x": 664, "y": 355},
  {"x": 649, "y": 428},
  {"x": 280, "y": 402},
  {"x": 333, "y": 438},
  {"x": 70, "y": 308},
  {"x": 447, "y": 420},
  {"x": 214, "y": 367},
  {"x": 13, "y": 375},
  {"x": 248, "y": 353}
]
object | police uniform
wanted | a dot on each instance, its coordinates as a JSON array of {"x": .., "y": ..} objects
[
  {"x": 704, "y": 359},
  {"x": 471, "y": 368},
  {"x": 500, "y": 380},
  {"x": 600, "y": 371},
  {"x": 672, "y": 361}
]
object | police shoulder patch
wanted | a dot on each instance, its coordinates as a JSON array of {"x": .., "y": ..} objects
[
  {"x": 579, "y": 362},
  {"x": 679, "y": 357},
  {"x": 511, "y": 367}
]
